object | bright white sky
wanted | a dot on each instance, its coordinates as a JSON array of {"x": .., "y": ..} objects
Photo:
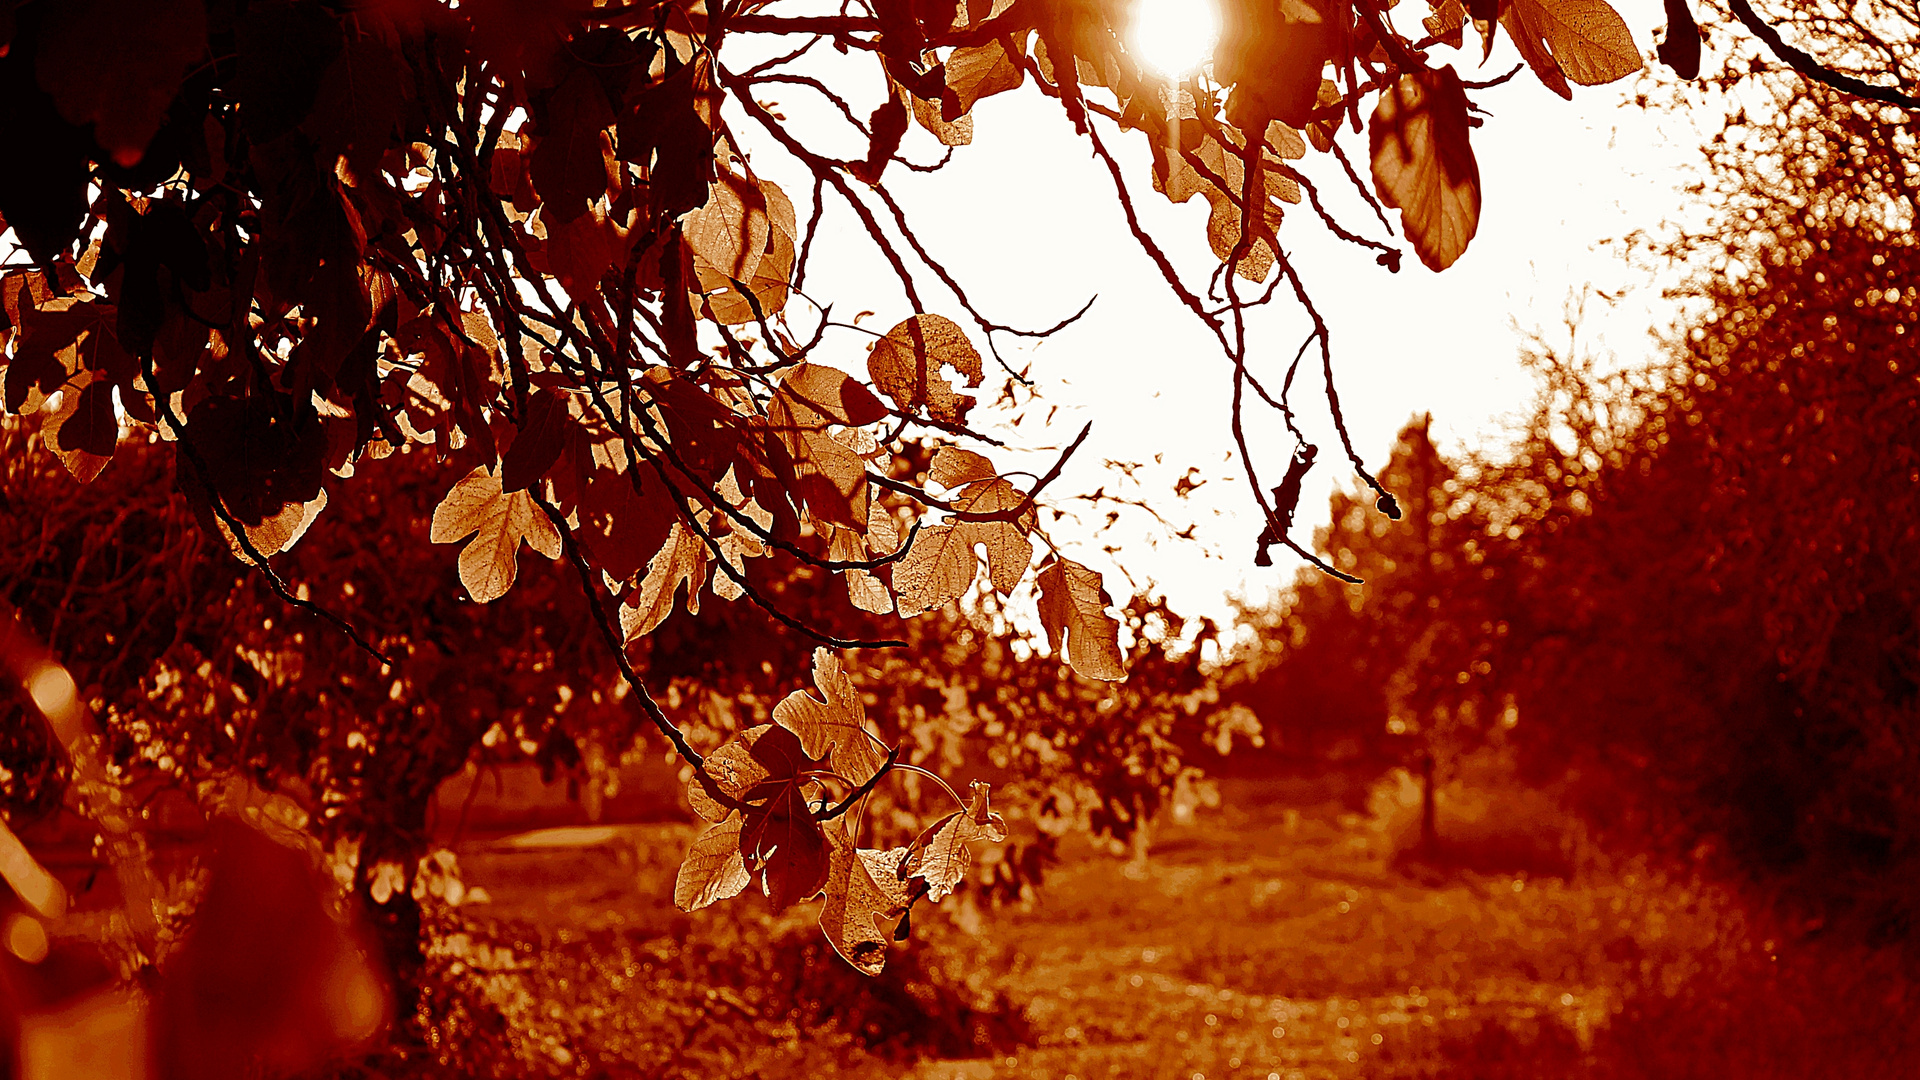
[{"x": 1027, "y": 219}]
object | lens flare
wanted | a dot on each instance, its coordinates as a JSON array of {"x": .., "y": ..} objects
[{"x": 1175, "y": 37}]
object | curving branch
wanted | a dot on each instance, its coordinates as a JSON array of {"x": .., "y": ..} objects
[{"x": 1812, "y": 69}]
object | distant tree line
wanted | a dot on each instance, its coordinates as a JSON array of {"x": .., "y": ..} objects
[{"x": 1687, "y": 591}]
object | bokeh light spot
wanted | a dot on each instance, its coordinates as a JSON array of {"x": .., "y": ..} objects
[{"x": 26, "y": 938}]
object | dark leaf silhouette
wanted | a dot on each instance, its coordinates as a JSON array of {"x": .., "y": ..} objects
[
  {"x": 567, "y": 167},
  {"x": 117, "y": 64},
  {"x": 1680, "y": 49},
  {"x": 543, "y": 435},
  {"x": 285, "y": 50}
]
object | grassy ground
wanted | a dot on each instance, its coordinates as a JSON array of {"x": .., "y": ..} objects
[
  {"x": 1261, "y": 939},
  {"x": 1265, "y": 940}
]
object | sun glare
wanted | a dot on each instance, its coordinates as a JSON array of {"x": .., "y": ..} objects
[{"x": 1175, "y": 37}]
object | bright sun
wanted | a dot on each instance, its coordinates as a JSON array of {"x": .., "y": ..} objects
[{"x": 1175, "y": 37}]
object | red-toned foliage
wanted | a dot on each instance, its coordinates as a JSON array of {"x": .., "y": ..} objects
[{"x": 332, "y": 285}]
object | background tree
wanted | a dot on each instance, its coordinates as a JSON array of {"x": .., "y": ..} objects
[
  {"x": 1705, "y": 566},
  {"x": 1380, "y": 663}
]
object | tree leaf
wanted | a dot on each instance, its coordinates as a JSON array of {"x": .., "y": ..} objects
[
  {"x": 667, "y": 128},
  {"x": 887, "y": 124},
  {"x": 953, "y": 467},
  {"x": 730, "y": 232},
  {"x": 1073, "y": 609},
  {"x": 865, "y": 899},
  {"x": 543, "y": 434},
  {"x": 772, "y": 274},
  {"x": 498, "y": 521},
  {"x": 1589, "y": 40},
  {"x": 43, "y": 188},
  {"x": 941, "y": 565},
  {"x": 285, "y": 49},
  {"x": 905, "y": 366},
  {"x": 273, "y": 535},
  {"x": 830, "y": 480},
  {"x": 1423, "y": 163},
  {"x": 1273, "y": 54},
  {"x": 733, "y": 770},
  {"x": 834, "y": 725},
  {"x": 811, "y": 396},
  {"x": 1446, "y": 21},
  {"x": 866, "y": 590},
  {"x": 941, "y": 855},
  {"x": 784, "y": 848},
  {"x": 359, "y": 102},
  {"x": 117, "y": 64},
  {"x": 581, "y": 251},
  {"x": 956, "y": 132},
  {"x": 83, "y": 430},
  {"x": 979, "y": 71},
  {"x": 1009, "y": 552},
  {"x": 682, "y": 558},
  {"x": 781, "y": 845},
  {"x": 937, "y": 570},
  {"x": 714, "y": 869},
  {"x": 1680, "y": 49},
  {"x": 620, "y": 527},
  {"x": 567, "y": 166}
]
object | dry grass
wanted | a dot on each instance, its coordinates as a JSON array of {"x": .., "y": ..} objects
[{"x": 1260, "y": 940}]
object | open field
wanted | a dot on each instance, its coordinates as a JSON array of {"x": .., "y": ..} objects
[{"x": 1257, "y": 940}]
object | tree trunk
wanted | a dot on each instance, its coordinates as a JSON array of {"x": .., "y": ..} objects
[
  {"x": 396, "y": 923},
  {"x": 1429, "y": 837}
]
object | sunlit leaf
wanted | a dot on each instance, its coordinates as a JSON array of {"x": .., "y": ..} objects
[
  {"x": 1423, "y": 163},
  {"x": 943, "y": 853},
  {"x": 714, "y": 868},
  {"x": 866, "y": 897},
  {"x": 1073, "y": 609},
  {"x": 941, "y": 564},
  {"x": 498, "y": 521},
  {"x": 682, "y": 558},
  {"x": 833, "y": 726},
  {"x": 1588, "y": 40},
  {"x": 906, "y": 366},
  {"x": 979, "y": 71}
]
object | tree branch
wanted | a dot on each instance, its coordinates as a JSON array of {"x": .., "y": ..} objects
[{"x": 1812, "y": 69}]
